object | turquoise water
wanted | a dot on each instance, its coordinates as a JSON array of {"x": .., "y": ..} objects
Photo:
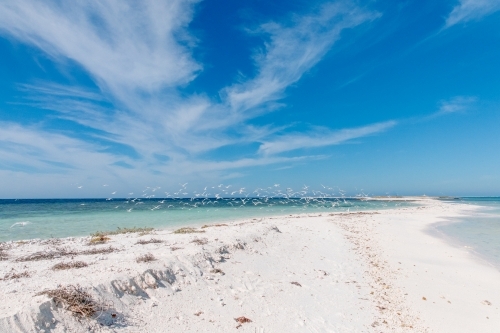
[
  {"x": 480, "y": 230},
  {"x": 28, "y": 219}
]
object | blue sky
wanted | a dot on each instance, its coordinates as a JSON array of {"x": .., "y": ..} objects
[{"x": 375, "y": 97}]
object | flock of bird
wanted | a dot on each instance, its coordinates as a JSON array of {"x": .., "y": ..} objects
[{"x": 222, "y": 195}]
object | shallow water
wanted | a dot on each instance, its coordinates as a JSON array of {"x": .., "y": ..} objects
[
  {"x": 28, "y": 219},
  {"x": 479, "y": 231}
]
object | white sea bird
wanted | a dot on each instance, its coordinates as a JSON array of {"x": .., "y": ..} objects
[{"x": 22, "y": 223}]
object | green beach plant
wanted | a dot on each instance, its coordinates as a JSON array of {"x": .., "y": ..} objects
[{"x": 118, "y": 231}]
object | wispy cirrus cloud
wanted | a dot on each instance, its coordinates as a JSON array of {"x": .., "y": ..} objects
[
  {"x": 292, "y": 49},
  {"x": 140, "y": 55},
  {"x": 320, "y": 137},
  {"x": 456, "y": 104},
  {"x": 468, "y": 10}
]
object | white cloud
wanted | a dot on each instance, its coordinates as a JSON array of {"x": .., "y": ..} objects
[
  {"x": 456, "y": 104},
  {"x": 291, "y": 50},
  {"x": 140, "y": 54},
  {"x": 319, "y": 138},
  {"x": 468, "y": 10}
]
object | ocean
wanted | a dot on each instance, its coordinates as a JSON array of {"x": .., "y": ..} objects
[
  {"x": 479, "y": 231},
  {"x": 29, "y": 219},
  {"x": 24, "y": 219}
]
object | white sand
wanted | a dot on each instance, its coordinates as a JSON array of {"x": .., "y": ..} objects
[{"x": 354, "y": 272}]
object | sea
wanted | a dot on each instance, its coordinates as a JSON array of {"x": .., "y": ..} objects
[
  {"x": 478, "y": 231},
  {"x": 22, "y": 219},
  {"x": 56, "y": 218}
]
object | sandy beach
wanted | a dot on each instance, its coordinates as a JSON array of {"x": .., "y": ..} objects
[{"x": 377, "y": 271}]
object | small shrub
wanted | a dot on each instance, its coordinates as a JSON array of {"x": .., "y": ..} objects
[
  {"x": 149, "y": 241},
  {"x": 118, "y": 231},
  {"x": 100, "y": 239},
  {"x": 146, "y": 258},
  {"x": 69, "y": 265},
  {"x": 14, "y": 275},
  {"x": 200, "y": 241},
  {"x": 105, "y": 250},
  {"x": 188, "y": 230},
  {"x": 214, "y": 225}
]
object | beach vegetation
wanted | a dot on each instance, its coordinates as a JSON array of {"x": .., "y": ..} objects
[
  {"x": 213, "y": 225},
  {"x": 188, "y": 230},
  {"x": 3, "y": 251},
  {"x": 146, "y": 258},
  {"x": 200, "y": 241},
  {"x": 76, "y": 300},
  {"x": 119, "y": 231},
  {"x": 68, "y": 265},
  {"x": 63, "y": 252},
  {"x": 14, "y": 275},
  {"x": 100, "y": 239},
  {"x": 149, "y": 241}
]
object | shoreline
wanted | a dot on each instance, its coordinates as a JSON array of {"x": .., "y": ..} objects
[{"x": 363, "y": 271}]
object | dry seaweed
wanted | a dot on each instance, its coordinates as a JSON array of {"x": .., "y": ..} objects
[
  {"x": 76, "y": 300},
  {"x": 242, "y": 320},
  {"x": 217, "y": 271},
  {"x": 62, "y": 252}
]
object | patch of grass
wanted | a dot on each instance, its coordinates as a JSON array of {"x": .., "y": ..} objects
[
  {"x": 175, "y": 248},
  {"x": 146, "y": 258},
  {"x": 76, "y": 300},
  {"x": 101, "y": 239},
  {"x": 97, "y": 251},
  {"x": 188, "y": 230},
  {"x": 200, "y": 241},
  {"x": 214, "y": 225},
  {"x": 63, "y": 252},
  {"x": 13, "y": 275},
  {"x": 149, "y": 241},
  {"x": 119, "y": 231},
  {"x": 68, "y": 265}
]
